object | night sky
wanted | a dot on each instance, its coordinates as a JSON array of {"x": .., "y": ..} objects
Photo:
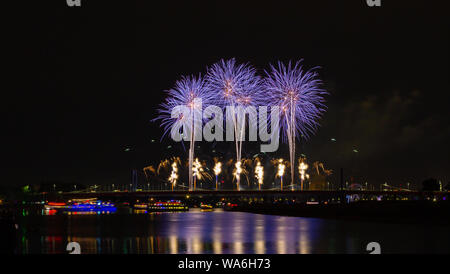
[{"x": 87, "y": 82}]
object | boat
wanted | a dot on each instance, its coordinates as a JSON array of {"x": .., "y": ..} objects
[
  {"x": 205, "y": 207},
  {"x": 99, "y": 206},
  {"x": 140, "y": 206},
  {"x": 82, "y": 205},
  {"x": 172, "y": 205},
  {"x": 55, "y": 205}
]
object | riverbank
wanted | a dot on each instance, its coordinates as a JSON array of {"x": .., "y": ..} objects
[{"x": 411, "y": 212}]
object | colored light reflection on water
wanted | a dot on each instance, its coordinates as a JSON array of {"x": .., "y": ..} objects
[{"x": 219, "y": 232}]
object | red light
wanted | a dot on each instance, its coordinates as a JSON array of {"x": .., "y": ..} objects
[{"x": 56, "y": 204}]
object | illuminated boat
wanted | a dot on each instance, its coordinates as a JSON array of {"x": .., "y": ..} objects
[
  {"x": 140, "y": 206},
  {"x": 206, "y": 207},
  {"x": 55, "y": 205},
  {"x": 229, "y": 206},
  {"x": 171, "y": 205},
  {"x": 90, "y": 205}
]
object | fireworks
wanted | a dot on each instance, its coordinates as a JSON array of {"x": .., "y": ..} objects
[
  {"x": 259, "y": 174},
  {"x": 300, "y": 98},
  {"x": 189, "y": 92},
  {"x": 196, "y": 171},
  {"x": 280, "y": 173},
  {"x": 174, "y": 175},
  {"x": 217, "y": 170},
  {"x": 302, "y": 167},
  {"x": 236, "y": 86},
  {"x": 237, "y": 172}
]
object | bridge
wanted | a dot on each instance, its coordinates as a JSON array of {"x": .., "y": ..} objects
[{"x": 266, "y": 195}]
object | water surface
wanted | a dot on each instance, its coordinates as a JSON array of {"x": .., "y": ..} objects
[{"x": 221, "y": 232}]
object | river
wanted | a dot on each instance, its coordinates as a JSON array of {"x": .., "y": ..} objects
[{"x": 220, "y": 232}]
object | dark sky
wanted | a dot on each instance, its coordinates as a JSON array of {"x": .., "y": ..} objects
[{"x": 87, "y": 81}]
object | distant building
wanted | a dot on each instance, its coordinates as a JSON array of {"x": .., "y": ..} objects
[{"x": 317, "y": 182}]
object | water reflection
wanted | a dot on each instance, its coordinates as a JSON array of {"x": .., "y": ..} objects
[{"x": 216, "y": 232}]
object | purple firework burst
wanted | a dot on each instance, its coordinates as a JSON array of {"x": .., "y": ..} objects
[
  {"x": 184, "y": 93},
  {"x": 301, "y": 101},
  {"x": 299, "y": 95},
  {"x": 234, "y": 84}
]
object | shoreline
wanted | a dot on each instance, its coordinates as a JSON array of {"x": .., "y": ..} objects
[{"x": 386, "y": 212}]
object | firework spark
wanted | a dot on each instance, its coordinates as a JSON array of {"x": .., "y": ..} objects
[
  {"x": 217, "y": 170},
  {"x": 235, "y": 85},
  {"x": 259, "y": 174},
  {"x": 174, "y": 175},
  {"x": 280, "y": 173},
  {"x": 301, "y": 100},
  {"x": 238, "y": 171},
  {"x": 302, "y": 167},
  {"x": 196, "y": 171},
  {"x": 188, "y": 91}
]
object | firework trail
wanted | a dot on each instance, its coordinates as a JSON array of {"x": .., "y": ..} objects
[
  {"x": 280, "y": 172},
  {"x": 302, "y": 167},
  {"x": 259, "y": 173},
  {"x": 301, "y": 100},
  {"x": 217, "y": 170},
  {"x": 193, "y": 93},
  {"x": 237, "y": 86},
  {"x": 174, "y": 175},
  {"x": 199, "y": 172}
]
